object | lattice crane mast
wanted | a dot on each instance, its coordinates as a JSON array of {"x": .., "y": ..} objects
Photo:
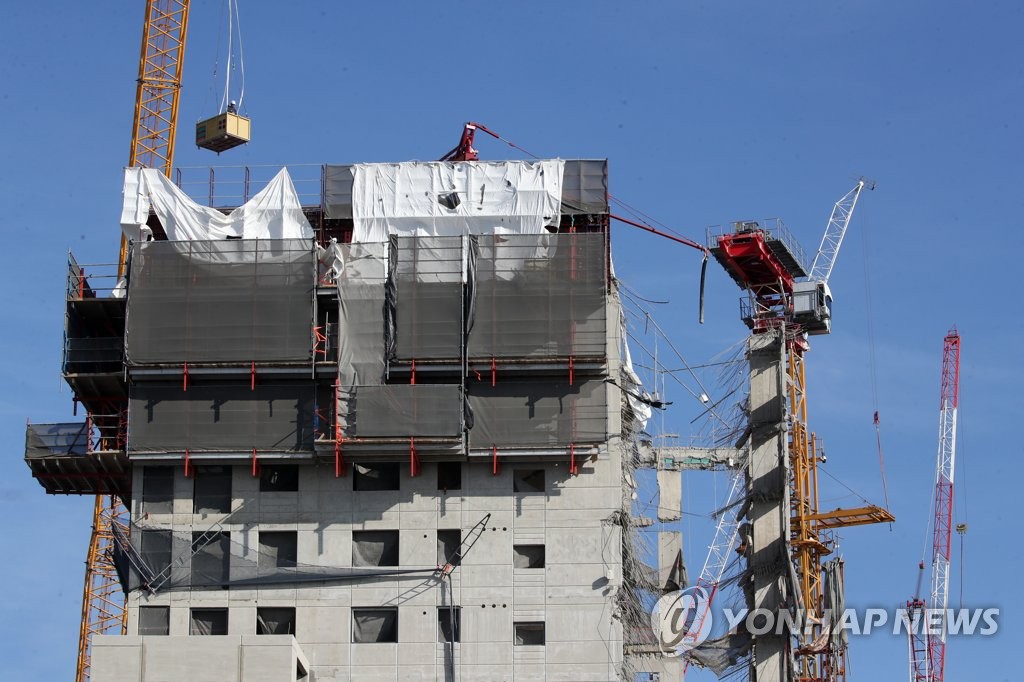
[
  {"x": 153, "y": 130},
  {"x": 784, "y": 295},
  {"x": 928, "y": 642}
]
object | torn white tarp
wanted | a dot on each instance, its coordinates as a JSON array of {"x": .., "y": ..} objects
[
  {"x": 442, "y": 198},
  {"x": 274, "y": 213}
]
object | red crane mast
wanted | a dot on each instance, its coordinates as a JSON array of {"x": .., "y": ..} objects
[{"x": 927, "y": 619}]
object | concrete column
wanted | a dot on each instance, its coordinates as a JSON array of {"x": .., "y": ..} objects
[{"x": 769, "y": 510}]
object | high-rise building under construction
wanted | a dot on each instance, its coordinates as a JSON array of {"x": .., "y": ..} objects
[{"x": 386, "y": 436}]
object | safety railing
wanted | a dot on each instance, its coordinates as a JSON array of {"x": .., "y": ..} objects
[
  {"x": 92, "y": 281},
  {"x": 773, "y": 228},
  {"x": 91, "y": 355},
  {"x": 106, "y": 432},
  {"x": 230, "y": 186}
]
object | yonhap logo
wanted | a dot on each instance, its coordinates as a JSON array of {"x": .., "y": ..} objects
[{"x": 681, "y": 620}]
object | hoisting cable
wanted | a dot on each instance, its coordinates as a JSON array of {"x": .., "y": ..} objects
[
  {"x": 241, "y": 55},
  {"x": 227, "y": 65},
  {"x": 872, "y": 366},
  {"x": 681, "y": 240},
  {"x": 960, "y": 491},
  {"x": 668, "y": 233},
  {"x": 234, "y": 26}
]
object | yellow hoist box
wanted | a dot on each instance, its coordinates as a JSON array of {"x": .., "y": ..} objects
[{"x": 222, "y": 132}]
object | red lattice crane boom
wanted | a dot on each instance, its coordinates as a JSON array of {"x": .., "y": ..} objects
[{"x": 927, "y": 619}]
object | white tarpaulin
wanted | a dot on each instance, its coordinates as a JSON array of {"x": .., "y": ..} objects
[
  {"x": 274, "y": 213},
  {"x": 442, "y": 198}
]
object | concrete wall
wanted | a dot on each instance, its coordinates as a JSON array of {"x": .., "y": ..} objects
[
  {"x": 573, "y": 594},
  {"x": 227, "y": 658}
]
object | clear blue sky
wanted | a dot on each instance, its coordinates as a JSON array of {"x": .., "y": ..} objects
[{"x": 708, "y": 112}]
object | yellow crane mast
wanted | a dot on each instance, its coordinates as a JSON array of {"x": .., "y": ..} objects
[
  {"x": 153, "y": 131},
  {"x": 792, "y": 301},
  {"x": 159, "y": 89}
]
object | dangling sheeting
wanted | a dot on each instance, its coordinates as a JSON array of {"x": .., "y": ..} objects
[
  {"x": 274, "y": 213},
  {"x": 441, "y": 198}
]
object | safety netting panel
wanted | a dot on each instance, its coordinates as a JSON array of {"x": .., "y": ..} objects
[
  {"x": 539, "y": 296},
  {"x": 221, "y": 301},
  {"x": 538, "y": 413},
  {"x": 47, "y": 440},
  {"x": 221, "y": 417},
  {"x": 426, "y": 288},
  {"x": 402, "y": 411},
  {"x": 161, "y": 559},
  {"x": 361, "y": 275}
]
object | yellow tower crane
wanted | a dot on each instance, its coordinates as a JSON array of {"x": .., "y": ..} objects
[{"x": 153, "y": 130}]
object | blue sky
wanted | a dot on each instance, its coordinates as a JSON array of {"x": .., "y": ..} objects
[{"x": 707, "y": 112}]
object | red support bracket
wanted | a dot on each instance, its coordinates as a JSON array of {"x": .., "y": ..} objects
[
  {"x": 184, "y": 377},
  {"x": 494, "y": 371},
  {"x": 340, "y": 470},
  {"x": 495, "y": 464},
  {"x": 572, "y": 375},
  {"x": 255, "y": 464},
  {"x": 414, "y": 461},
  {"x": 412, "y": 377},
  {"x": 574, "y": 469},
  {"x": 252, "y": 377},
  {"x": 188, "y": 465}
]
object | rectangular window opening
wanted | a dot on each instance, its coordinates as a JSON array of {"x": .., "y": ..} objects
[
  {"x": 374, "y": 626},
  {"x": 528, "y": 481},
  {"x": 375, "y": 548},
  {"x": 275, "y": 478},
  {"x": 275, "y": 620},
  {"x": 383, "y": 476},
  {"x": 208, "y": 622},
  {"x": 449, "y": 547},
  {"x": 157, "y": 490},
  {"x": 211, "y": 559},
  {"x": 449, "y": 476},
  {"x": 155, "y": 547},
  {"x": 444, "y": 623},
  {"x": 528, "y": 556},
  {"x": 154, "y": 620},
  {"x": 529, "y": 634},
  {"x": 278, "y": 549},
  {"x": 212, "y": 490}
]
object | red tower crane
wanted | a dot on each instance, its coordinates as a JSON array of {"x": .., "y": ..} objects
[{"x": 927, "y": 619}]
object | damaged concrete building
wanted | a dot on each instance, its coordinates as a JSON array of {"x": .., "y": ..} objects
[{"x": 389, "y": 435}]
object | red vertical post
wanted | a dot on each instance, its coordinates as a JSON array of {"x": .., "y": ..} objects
[
  {"x": 88, "y": 432},
  {"x": 252, "y": 376},
  {"x": 184, "y": 377},
  {"x": 255, "y": 464},
  {"x": 188, "y": 465},
  {"x": 495, "y": 464}
]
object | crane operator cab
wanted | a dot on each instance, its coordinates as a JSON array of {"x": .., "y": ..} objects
[
  {"x": 224, "y": 131},
  {"x": 812, "y": 306}
]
